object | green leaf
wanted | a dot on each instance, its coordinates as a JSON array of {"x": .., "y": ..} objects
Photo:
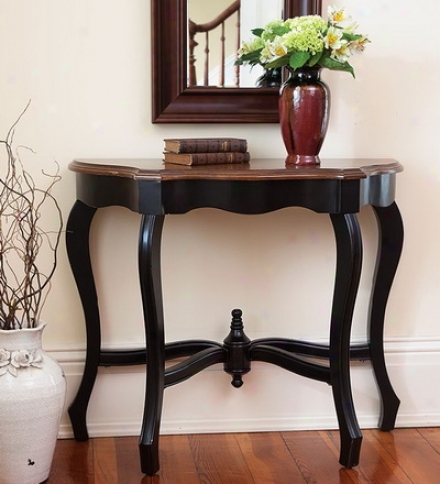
[
  {"x": 250, "y": 58},
  {"x": 280, "y": 62},
  {"x": 335, "y": 65},
  {"x": 280, "y": 30},
  {"x": 298, "y": 59},
  {"x": 314, "y": 59},
  {"x": 257, "y": 32},
  {"x": 350, "y": 37}
]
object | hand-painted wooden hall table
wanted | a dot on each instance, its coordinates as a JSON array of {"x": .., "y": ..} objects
[{"x": 338, "y": 187}]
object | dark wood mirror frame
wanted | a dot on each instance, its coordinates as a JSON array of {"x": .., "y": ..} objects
[{"x": 174, "y": 102}]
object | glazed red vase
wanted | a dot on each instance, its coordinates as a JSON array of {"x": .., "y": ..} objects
[{"x": 304, "y": 107}]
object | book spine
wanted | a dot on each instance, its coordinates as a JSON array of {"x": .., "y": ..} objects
[
  {"x": 212, "y": 146},
  {"x": 219, "y": 158},
  {"x": 207, "y": 158}
]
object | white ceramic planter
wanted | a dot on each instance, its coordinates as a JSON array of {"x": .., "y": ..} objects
[{"x": 32, "y": 396}]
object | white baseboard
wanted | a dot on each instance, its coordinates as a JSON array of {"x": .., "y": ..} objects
[{"x": 270, "y": 399}]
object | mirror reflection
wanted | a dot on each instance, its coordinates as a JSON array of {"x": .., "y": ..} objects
[{"x": 215, "y": 33}]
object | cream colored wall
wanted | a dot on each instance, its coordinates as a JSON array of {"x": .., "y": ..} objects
[{"x": 86, "y": 67}]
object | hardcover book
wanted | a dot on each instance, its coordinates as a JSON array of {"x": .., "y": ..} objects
[
  {"x": 206, "y": 145},
  {"x": 206, "y": 158}
]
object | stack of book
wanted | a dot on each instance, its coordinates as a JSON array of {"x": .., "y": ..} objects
[{"x": 206, "y": 151}]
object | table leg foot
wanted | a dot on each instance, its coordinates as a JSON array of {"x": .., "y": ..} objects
[
  {"x": 350, "y": 451},
  {"x": 149, "y": 455}
]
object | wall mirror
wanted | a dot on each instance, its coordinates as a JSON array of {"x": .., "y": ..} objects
[{"x": 175, "y": 101}]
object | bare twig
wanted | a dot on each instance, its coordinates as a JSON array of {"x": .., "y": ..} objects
[{"x": 23, "y": 284}]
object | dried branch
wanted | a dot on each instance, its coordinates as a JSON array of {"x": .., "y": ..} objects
[{"x": 23, "y": 284}]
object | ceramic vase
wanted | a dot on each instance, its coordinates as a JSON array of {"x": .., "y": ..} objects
[
  {"x": 32, "y": 396},
  {"x": 269, "y": 78},
  {"x": 304, "y": 107}
]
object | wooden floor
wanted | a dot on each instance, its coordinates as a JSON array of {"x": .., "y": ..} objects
[{"x": 400, "y": 456}]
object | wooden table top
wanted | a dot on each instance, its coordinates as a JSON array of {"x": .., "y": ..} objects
[{"x": 261, "y": 169}]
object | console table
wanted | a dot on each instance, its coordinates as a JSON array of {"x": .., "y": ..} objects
[{"x": 339, "y": 188}]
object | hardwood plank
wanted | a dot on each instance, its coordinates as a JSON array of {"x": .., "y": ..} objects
[
  {"x": 177, "y": 464},
  {"x": 268, "y": 458},
  {"x": 128, "y": 461},
  {"x": 403, "y": 456},
  {"x": 219, "y": 459},
  {"x": 419, "y": 460},
  {"x": 376, "y": 465},
  {"x": 72, "y": 463},
  {"x": 431, "y": 435},
  {"x": 317, "y": 456},
  {"x": 104, "y": 456}
]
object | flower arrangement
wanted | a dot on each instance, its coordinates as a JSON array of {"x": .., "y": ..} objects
[{"x": 305, "y": 41}]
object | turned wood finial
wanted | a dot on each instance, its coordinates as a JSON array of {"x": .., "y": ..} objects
[
  {"x": 237, "y": 321},
  {"x": 237, "y": 346}
]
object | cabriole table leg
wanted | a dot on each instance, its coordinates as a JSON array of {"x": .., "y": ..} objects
[
  {"x": 390, "y": 247},
  {"x": 151, "y": 290},
  {"x": 348, "y": 271},
  {"x": 78, "y": 250}
]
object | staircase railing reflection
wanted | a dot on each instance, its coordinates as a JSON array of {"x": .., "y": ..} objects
[{"x": 206, "y": 28}]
